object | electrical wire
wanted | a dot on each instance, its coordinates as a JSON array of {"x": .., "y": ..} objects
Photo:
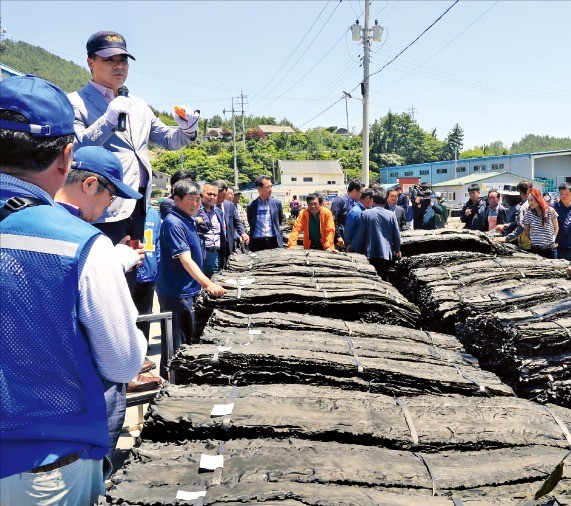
[
  {"x": 446, "y": 45},
  {"x": 306, "y": 49},
  {"x": 413, "y": 42},
  {"x": 322, "y": 112},
  {"x": 292, "y": 53}
]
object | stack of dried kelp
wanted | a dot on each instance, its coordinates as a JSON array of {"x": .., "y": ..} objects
[
  {"x": 449, "y": 291},
  {"x": 531, "y": 346},
  {"x": 309, "y": 282},
  {"x": 511, "y": 312},
  {"x": 288, "y": 401},
  {"x": 386, "y": 364},
  {"x": 416, "y": 242}
]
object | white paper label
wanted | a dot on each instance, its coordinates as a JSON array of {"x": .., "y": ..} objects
[
  {"x": 222, "y": 349},
  {"x": 222, "y": 409},
  {"x": 182, "y": 495},
  {"x": 211, "y": 462},
  {"x": 254, "y": 332}
]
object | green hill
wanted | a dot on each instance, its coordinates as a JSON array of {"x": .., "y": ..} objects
[{"x": 35, "y": 60}]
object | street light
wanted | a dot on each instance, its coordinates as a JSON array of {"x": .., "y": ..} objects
[{"x": 347, "y": 95}]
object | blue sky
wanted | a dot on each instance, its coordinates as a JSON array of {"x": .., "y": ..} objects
[{"x": 499, "y": 69}]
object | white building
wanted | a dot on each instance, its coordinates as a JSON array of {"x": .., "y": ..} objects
[
  {"x": 302, "y": 177},
  {"x": 551, "y": 168},
  {"x": 455, "y": 191}
]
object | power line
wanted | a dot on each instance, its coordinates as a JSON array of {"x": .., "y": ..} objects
[
  {"x": 293, "y": 52},
  {"x": 306, "y": 49},
  {"x": 311, "y": 69},
  {"x": 450, "y": 42},
  {"x": 322, "y": 112},
  {"x": 413, "y": 42}
]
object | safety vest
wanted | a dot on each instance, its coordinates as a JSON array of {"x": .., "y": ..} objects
[{"x": 51, "y": 401}]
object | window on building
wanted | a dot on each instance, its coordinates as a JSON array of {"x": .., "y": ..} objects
[
  {"x": 331, "y": 182},
  {"x": 409, "y": 173},
  {"x": 460, "y": 169},
  {"x": 479, "y": 168},
  {"x": 394, "y": 174},
  {"x": 497, "y": 166},
  {"x": 294, "y": 178},
  {"x": 307, "y": 179},
  {"x": 424, "y": 172},
  {"x": 441, "y": 171}
]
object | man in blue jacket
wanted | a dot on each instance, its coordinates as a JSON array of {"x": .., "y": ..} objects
[
  {"x": 379, "y": 235},
  {"x": 265, "y": 215},
  {"x": 64, "y": 300}
]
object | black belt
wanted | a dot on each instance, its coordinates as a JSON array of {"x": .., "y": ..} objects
[
  {"x": 63, "y": 461},
  {"x": 212, "y": 250},
  {"x": 544, "y": 246}
]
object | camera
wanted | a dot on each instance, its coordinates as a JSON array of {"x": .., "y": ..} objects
[{"x": 422, "y": 190}]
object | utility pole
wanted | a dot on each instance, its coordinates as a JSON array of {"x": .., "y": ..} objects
[
  {"x": 365, "y": 89},
  {"x": 242, "y": 96},
  {"x": 365, "y": 36},
  {"x": 234, "y": 142},
  {"x": 412, "y": 110},
  {"x": 347, "y": 95}
]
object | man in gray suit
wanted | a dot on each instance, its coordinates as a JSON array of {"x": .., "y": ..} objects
[{"x": 99, "y": 107}]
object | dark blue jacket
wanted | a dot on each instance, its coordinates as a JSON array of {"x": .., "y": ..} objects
[
  {"x": 379, "y": 235},
  {"x": 276, "y": 217},
  {"x": 234, "y": 226}
]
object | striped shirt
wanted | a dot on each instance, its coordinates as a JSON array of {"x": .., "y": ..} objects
[{"x": 540, "y": 233}]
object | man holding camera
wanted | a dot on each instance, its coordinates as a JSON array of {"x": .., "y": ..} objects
[
  {"x": 425, "y": 210},
  {"x": 472, "y": 207}
]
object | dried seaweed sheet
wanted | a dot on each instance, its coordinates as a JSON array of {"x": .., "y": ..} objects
[
  {"x": 159, "y": 470},
  {"x": 376, "y": 365},
  {"x": 425, "y": 423}
]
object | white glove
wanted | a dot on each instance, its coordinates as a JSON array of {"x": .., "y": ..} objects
[
  {"x": 117, "y": 106},
  {"x": 188, "y": 124}
]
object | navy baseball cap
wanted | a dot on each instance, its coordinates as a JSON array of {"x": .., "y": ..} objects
[
  {"x": 45, "y": 106},
  {"x": 104, "y": 163},
  {"x": 107, "y": 44}
]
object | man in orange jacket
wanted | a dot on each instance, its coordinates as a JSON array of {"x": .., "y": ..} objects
[{"x": 317, "y": 225}]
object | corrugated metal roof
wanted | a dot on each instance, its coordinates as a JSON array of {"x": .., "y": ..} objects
[
  {"x": 310, "y": 166},
  {"x": 473, "y": 178},
  {"x": 276, "y": 129}
]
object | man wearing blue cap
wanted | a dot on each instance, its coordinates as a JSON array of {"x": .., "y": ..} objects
[
  {"x": 98, "y": 108},
  {"x": 94, "y": 181},
  {"x": 65, "y": 303}
]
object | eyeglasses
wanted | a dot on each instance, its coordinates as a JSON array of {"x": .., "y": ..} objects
[{"x": 111, "y": 192}]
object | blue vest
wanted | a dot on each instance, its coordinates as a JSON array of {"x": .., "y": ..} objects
[{"x": 51, "y": 395}]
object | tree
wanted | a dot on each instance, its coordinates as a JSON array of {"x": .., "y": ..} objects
[
  {"x": 215, "y": 121},
  {"x": 531, "y": 143},
  {"x": 453, "y": 143},
  {"x": 401, "y": 135}
]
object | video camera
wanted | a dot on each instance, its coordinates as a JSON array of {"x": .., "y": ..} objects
[{"x": 422, "y": 190}]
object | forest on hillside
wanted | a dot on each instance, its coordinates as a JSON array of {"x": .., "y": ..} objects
[{"x": 35, "y": 60}]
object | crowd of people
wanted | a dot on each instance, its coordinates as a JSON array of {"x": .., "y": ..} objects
[{"x": 83, "y": 253}]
